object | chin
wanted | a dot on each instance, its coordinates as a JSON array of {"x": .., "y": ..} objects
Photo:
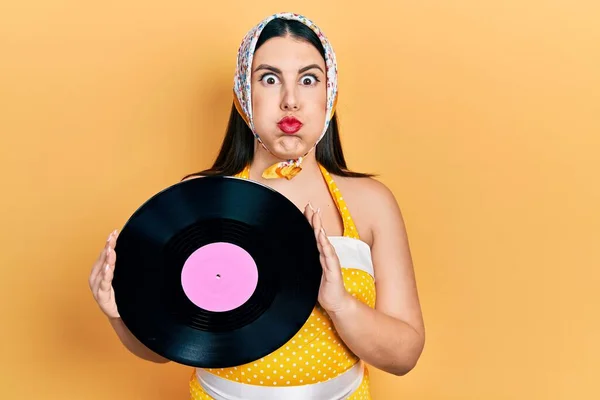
[
  {"x": 288, "y": 155},
  {"x": 289, "y": 146}
]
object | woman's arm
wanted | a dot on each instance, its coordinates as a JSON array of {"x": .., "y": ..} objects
[{"x": 390, "y": 337}]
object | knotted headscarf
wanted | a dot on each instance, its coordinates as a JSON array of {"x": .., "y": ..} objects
[{"x": 243, "y": 90}]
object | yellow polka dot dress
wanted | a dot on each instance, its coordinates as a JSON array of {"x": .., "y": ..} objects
[{"x": 316, "y": 353}]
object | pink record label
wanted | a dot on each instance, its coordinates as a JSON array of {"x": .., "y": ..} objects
[{"x": 219, "y": 277}]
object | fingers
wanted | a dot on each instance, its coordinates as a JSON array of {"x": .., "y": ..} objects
[
  {"x": 105, "y": 279},
  {"x": 107, "y": 268},
  {"x": 327, "y": 249},
  {"x": 112, "y": 238},
  {"x": 328, "y": 255},
  {"x": 97, "y": 268},
  {"x": 101, "y": 277},
  {"x": 99, "y": 264},
  {"x": 326, "y": 269},
  {"x": 309, "y": 211},
  {"x": 104, "y": 289},
  {"x": 317, "y": 223}
]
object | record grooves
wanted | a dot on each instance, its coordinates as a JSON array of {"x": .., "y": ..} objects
[
  {"x": 216, "y": 243},
  {"x": 179, "y": 248}
]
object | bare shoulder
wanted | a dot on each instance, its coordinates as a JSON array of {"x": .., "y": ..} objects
[
  {"x": 367, "y": 189},
  {"x": 370, "y": 202}
]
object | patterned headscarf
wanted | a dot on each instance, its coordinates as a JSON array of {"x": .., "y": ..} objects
[{"x": 242, "y": 89}]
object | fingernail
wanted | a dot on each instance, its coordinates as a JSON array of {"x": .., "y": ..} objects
[
  {"x": 109, "y": 237},
  {"x": 319, "y": 210},
  {"x": 323, "y": 230},
  {"x": 311, "y": 207},
  {"x": 106, "y": 267}
]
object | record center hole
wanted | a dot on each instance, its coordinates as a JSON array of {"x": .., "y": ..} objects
[{"x": 218, "y": 276}]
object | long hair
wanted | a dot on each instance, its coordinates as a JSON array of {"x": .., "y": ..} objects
[{"x": 237, "y": 148}]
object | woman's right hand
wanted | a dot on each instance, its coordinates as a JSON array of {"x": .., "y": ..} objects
[{"x": 101, "y": 277}]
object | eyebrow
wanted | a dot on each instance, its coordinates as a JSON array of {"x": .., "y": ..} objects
[{"x": 278, "y": 71}]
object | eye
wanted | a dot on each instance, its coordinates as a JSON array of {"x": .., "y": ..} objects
[
  {"x": 269, "y": 79},
  {"x": 309, "y": 80}
]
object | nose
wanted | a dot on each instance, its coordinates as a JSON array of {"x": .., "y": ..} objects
[{"x": 289, "y": 102}]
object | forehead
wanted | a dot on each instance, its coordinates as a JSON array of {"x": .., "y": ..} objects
[{"x": 287, "y": 52}]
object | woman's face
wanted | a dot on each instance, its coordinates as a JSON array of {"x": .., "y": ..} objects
[{"x": 288, "y": 80}]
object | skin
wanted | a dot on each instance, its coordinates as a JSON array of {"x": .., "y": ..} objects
[{"x": 391, "y": 336}]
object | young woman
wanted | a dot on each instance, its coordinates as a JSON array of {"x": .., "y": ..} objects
[{"x": 283, "y": 133}]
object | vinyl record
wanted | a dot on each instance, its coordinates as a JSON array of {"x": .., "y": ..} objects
[{"x": 216, "y": 272}]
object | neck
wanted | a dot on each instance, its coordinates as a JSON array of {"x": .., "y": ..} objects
[{"x": 263, "y": 159}]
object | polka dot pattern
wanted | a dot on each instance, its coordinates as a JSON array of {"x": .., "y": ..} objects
[
  {"x": 316, "y": 353},
  {"x": 361, "y": 393}
]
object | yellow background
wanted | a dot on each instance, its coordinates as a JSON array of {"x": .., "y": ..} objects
[{"x": 482, "y": 116}]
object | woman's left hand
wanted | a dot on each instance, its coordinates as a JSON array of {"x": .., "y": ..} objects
[{"x": 333, "y": 296}]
